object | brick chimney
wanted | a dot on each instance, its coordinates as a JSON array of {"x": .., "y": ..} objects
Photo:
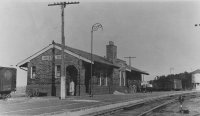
[{"x": 111, "y": 51}]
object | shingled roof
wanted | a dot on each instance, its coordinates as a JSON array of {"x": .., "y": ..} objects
[
  {"x": 98, "y": 58},
  {"x": 83, "y": 54},
  {"x": 87, "y": 55},
  {"x": 196, "y": 71}
]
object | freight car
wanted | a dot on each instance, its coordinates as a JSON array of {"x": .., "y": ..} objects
[
  {"x": 7, "y": 81},
  {"x": 177, "y": 84},
  {"x": 167, "y": 85}
]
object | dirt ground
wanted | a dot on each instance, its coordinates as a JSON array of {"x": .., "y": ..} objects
[{"x": 193, "y": 105}]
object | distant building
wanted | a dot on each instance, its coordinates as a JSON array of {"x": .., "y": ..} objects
[
  {"x": 196, "y": 79},
  {"x": 109, "y": 73}
]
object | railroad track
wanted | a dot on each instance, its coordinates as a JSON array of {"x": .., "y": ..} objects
[
  {"x": 145, "y": 107},
  {"x": 163, "y": 105}
]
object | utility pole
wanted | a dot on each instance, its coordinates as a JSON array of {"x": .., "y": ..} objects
[
  {"x": 63, "y": 78},
  {"x": 129, "y": 57},
  {"x": 53, "y": 87}
]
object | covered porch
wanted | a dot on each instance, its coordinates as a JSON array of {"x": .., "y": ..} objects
[
  {"x": 101, "y": 82},
  {"x": 134, "y": 79}
]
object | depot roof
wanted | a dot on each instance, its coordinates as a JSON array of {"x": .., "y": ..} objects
[{"x": 83, "y": 55}]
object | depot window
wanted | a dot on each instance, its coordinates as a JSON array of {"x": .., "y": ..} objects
[
  {"x": 122, "y": 78},
  {"x": 57, "y": 71},
  {"x": 106, "y": 80},
  {"x": 33, "y": 72},
  {"x": 100, "y": 79}
]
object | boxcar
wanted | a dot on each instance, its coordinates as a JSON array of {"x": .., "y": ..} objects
[
  {"x": 168, "y": 85},
  {"x": 173, "y": 84},
  {"x": 7, "y": 81},
  {"x": 177, "y": 84}
]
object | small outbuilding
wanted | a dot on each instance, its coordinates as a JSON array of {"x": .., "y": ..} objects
[{"x": 196, "y": 79}]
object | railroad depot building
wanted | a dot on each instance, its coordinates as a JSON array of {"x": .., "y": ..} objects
[{"x": 109, "y": 73}]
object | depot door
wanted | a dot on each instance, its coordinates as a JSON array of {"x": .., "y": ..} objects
[{"x": 72, "y": 74}]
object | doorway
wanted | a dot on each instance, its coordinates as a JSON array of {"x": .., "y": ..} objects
[{"x": 72, "y": 74}]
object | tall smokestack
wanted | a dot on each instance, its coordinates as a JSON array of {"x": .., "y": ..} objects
[{"x": 111, "y": 51}]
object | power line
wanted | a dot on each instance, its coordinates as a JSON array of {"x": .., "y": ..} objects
[
  {"x": 63, "y": 3},
  {"x": 130, "y": 57}
]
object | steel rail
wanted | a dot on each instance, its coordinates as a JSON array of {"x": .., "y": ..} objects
[
  {"x": 157, "y": 107},
  {"x": 121, "y": 108},
  {"x": 167, "y": 103}
]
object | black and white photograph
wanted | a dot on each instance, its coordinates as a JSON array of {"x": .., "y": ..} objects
[{"x": 100, "y": 58}]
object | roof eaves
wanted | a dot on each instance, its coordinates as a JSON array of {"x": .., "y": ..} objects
[
  {"x": 196, "y": 71},
  {"x": 137, "y": 70},
  {"x": 34, "y": 55},
  {"x": 75, "y": 54}
]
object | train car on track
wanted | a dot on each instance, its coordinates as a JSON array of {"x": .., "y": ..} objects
[
  {"x": 167, "y": 85},
  {"x": 7, "y": 81},
  {"x": 177, "y": 84}
]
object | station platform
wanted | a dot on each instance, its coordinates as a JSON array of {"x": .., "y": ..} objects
[{"x": 75, "y": 105}]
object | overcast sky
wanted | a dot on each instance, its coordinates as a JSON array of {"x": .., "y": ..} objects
[{"x": 160, "y": 34}]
